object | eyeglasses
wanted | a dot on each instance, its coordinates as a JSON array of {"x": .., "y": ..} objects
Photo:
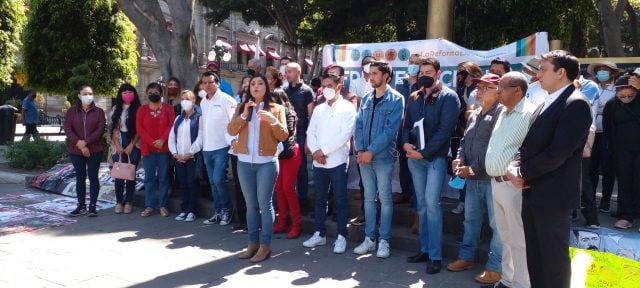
[
  {"x": 485, "y": 88},
  {"x": 500, "y": 87}
]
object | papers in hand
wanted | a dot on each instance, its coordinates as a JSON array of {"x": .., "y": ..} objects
[{"x": 417, "y": 135}]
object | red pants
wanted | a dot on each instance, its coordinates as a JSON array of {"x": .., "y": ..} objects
[{"x": 286, "y": 190}]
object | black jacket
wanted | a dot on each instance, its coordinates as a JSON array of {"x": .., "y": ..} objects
[{"x": 550, "y": 157}]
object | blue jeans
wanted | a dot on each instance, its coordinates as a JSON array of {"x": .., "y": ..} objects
[
  {"x": 186, "y": 172},
  {"x": 376, "y": 179},
  {"x": 216, "y": 162},
  {"x": 86, "y": 166},
  {"x": 302, "y": 185},
  {"x": 258, "y": 182},
  {"x": 337, "y": 178},
  {"x": 479, "y": 201},
  {"x": 156, "y": 166},
  {"x": 120, "y": 184},
  {"x": 428, "y": 177}
]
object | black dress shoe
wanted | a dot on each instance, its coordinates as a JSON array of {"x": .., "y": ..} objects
[
  {"x": 434, "y": 266},
  {"x": 497, "y": 285},
  {"x": 418, "y": 258}
]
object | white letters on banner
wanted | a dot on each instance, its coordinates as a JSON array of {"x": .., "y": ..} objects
[{"x": 449, "y": 54}]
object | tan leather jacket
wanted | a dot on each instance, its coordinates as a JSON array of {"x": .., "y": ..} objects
[{"x": 270, "y": 135}]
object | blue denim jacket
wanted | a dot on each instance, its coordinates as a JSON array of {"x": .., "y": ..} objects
[
  {"x": 386, "y": 123},
  {"x": 440, "y": 120}
]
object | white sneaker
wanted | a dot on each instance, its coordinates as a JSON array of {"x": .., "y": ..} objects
[
  {"x": 367, "y": 245},
  {"x": 383, "y": 249},
  {"x": 315, "y": 240},
  {"x": 340, "y": 245},
  {"x": 181, "y": 216},
  {"x": 190, "y": 217}
]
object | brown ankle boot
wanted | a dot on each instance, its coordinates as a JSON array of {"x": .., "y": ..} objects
[
  {"x": 249, "y": 252},
  {"x": 263, "y": 254},
  {"x": 416, "y": 223}
]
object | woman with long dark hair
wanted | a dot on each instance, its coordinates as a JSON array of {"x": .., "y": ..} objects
[
  {"x": 84, "y": 125},
  {"x": 125, "y": 139},
  {"x": 259, "y": 125},
  {"x": 289, "y": 161}
]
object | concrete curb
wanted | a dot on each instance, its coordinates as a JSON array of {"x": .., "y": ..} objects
[{"x": 13, "y": 178}]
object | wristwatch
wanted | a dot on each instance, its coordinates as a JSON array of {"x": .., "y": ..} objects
[{"x": 471, "y": 171}]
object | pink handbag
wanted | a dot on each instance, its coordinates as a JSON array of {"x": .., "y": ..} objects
[{"x": 124, "y": 171}]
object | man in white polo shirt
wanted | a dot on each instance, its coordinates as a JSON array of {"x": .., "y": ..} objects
[
  {"x": 330, "y": 129},
  {"x": 217, "y": 111}
]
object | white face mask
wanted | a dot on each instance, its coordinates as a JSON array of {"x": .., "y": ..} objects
[
  {"x": 283, "y": 69},
  {"x": 328, "y": 93},
  {"x": 186, "y": 105},
  {"x": 86, "y": 99},
  {"x": 366, "y": 68},
  {"x": 202, "y": 94}
]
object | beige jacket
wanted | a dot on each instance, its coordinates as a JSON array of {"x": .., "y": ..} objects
[{"x": 270, "y": 135}]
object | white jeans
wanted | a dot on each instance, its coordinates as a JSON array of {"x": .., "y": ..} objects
[{"x": 507, "y": 207}]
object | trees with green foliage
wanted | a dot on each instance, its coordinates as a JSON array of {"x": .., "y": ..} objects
[
  {"x": 312, "y": 23},
  {"x": 71, "y": 42},
  {"x": 12, "y": 19}
]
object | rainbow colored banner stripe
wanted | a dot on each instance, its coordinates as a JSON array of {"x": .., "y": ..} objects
[
  {"x": 526, "y": 46},
  {"x": 340, "y": 53}
]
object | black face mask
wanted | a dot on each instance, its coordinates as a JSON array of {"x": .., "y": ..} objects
[
  {"x": 251, "y": 72},
  {"x": 425, "y": 82},
  {"x": 154, "y": 98}
]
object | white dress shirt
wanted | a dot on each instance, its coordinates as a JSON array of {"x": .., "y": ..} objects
[
  {"x": 360, "y": 87},
  {"x": 552, "y": 97},
  {"x": 181, "y": 144},
  {"x": 330, "y": 130},
  {"x": 217, "y": 113},
  {"x": 535, "y": 94},
  {"x": 253, "y": 141}
]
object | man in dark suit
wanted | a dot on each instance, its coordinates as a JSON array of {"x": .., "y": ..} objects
[{"x": 548, "y": 168}]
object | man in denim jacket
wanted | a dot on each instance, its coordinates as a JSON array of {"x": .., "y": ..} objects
[{"x": 377, "y": 123}]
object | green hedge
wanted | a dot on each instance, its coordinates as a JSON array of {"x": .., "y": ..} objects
[{"x": 35, "y": 154}]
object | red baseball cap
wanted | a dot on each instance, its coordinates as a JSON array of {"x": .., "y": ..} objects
[{"x": 488, "y": 78}]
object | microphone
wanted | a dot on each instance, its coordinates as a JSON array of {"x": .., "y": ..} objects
[
  {"x": 250, "y": 114},
  {"x": 250, "y": 110}
]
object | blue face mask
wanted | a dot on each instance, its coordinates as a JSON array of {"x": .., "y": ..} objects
[
  {"x": 413, "y": 69},
  {"x": 602, "y": 75},
  {"x": 457, "y": 183}
]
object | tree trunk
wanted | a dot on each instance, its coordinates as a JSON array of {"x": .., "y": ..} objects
[
  {"x": 611, "y": 26},
  {"x": 175, "y": 51},
  {"x": 633, "y": 29}
]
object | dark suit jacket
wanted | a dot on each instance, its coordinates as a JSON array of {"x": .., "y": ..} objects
[{"x": 550, "y": 157}]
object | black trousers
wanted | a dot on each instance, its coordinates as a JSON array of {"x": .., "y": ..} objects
[
  {"x": 601, "y": 163},
  {"x": 588, "y": 195},
  {"x": 628, "y": 172},
  {"x": 546, "y": 233},
  {"x": 240, "y": 210}
]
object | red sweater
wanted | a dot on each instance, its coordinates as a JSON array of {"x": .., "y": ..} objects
[{"x": 152, "y": 125}]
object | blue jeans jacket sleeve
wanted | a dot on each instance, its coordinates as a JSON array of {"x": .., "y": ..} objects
[
  {"x": 359, "y": 140},
  {"x": 388, "y": 133},
  {"x": 448, "y": 121}
]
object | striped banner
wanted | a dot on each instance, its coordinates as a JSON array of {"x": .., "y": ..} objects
[
  {"x": 340, "y": 53},
  {"x": 526, "y": 46}
]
